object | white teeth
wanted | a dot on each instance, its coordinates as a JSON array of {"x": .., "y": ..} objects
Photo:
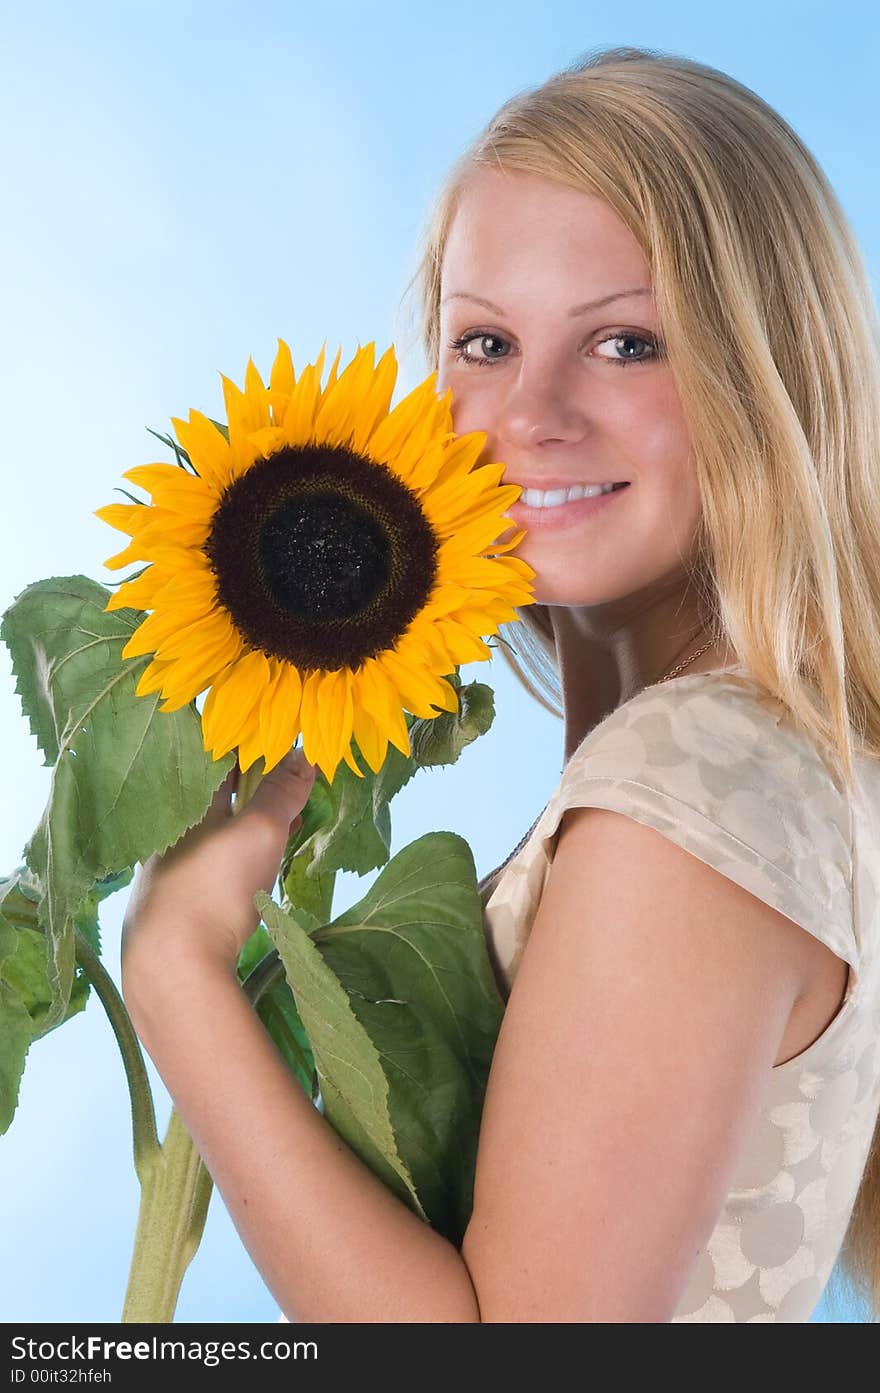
[{"x": 552, "y": 498}]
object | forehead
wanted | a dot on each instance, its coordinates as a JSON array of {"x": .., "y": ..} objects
[{"x": 510, "y": 227}]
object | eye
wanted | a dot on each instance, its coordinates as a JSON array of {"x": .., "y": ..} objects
[
  {"x": 625, "y": 336},
  {"x": 620, "y": 336},
  {"x": 461, "y": 344}
]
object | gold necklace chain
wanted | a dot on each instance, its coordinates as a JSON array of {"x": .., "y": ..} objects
[{"x": 691, "y": 659}]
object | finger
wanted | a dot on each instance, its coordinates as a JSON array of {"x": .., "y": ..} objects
[{"x": 283, "y": 793}]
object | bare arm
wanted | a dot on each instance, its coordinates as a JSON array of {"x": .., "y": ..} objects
[
  {"x": 331, "y": 1242},
  {"x": 645, "y": 1014},
  {"x": 635, "y": 1046}
]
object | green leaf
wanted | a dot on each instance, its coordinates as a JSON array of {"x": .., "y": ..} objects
[
  {"x": 344, "y": 829},
  {"x": 303, "y": 881},
  {"x": 128, "y": 779},
  {"x": 18, "y": 907},
  {"x": 354, "y": 1088},
  {"x": 26, "y": 997},
  {"x": 25, "y": 992},
  {"x": 347, "y": 824},
  {"x": 276, "y": 1008},
  {"x": 442, "y": 740},
  {"x": 86, "y": 917},
  {"x": 409, "y": 964},
  {"x": 23, "y": 956},
  {"x": 16, "y": 1033}
]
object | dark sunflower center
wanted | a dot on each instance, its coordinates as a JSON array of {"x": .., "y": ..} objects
[{"x": 322, "y": 556}]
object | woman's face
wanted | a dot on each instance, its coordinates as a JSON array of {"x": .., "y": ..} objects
[{"x": 568, "y": 395}]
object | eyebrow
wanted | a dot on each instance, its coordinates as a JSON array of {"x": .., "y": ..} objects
[{"x": 578, "y": 309}]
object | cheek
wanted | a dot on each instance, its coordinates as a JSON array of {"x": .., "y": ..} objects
[
  {"x": 664, "y": 430},
  {"x": 471, "y": 409},
  {"x": 655, "y": 426}
]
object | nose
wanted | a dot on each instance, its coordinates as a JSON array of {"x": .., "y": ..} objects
[{"x": 538, "y": 411}]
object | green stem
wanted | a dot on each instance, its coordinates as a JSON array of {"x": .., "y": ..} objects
[
  {"x": 171, "y": 1221},
  {"x": 263, "y": 976},
  {"x": 259, "y": 980},
  {"x": 248, "y": 782},
  {"x": 176, "y": 1186},
  {"x": 145, "y": 1140},
  {"x": 174, "y": 1204}
]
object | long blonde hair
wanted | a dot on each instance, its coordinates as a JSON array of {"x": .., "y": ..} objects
[{"x": 773, "y": 338}]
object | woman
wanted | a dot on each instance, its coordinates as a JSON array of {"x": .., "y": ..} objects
[{"x": 638, "y": 276}]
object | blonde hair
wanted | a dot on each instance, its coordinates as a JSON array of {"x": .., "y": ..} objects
[{"x": 773, "y": 338}]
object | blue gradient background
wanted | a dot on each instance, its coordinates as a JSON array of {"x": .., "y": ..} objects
[{"x": 183, "y": 184}]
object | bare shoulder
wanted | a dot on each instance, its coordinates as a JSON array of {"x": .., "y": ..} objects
[
  {"x": 648, "y": 1006},
  {"x": 645, "y": 869},
  {"x": 740, "y": 921}
]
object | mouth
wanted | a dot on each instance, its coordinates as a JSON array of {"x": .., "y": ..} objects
[{"x": 571, "y": 512}]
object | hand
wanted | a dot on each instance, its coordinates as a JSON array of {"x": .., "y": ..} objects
[{"x": 196, "y": 900}]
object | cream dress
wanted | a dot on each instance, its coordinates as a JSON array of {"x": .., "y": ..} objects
[{"x": 715, "y": 765}]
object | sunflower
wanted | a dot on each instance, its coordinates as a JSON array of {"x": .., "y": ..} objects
[{"x": 321, "y": 565}]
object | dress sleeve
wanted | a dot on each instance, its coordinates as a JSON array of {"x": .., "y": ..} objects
[{"x": 720, "y": 769}]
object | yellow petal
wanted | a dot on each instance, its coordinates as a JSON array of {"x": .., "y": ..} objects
[
  {"x": 491, "y": 473},
  {"x": 164, "y": 534},
  {"x": 207, "y": 448},
  {"x": 125, "y": 517},
  {"x": 350, "y": 760},
  {"x": 189, "y": 675},
  {"x": 416, "y": 463},
  {"x": 280, "y": 712},
  {"x": 390, "y": 435},
  {"x": 376, "y": 400},
  {"x": 148, "y": 636},
  {"x": 371, "y": 739},
  {"x": 250, "y": 745},
  {"x": 171, "y": 487},
  {"x": 282, "y": 381},
  {"x": 140, "y": 592},
  {"x": 331, "y": 376},
  {"x": 246, "y": 411},
  {"x": 265, "y": 442},
  {"x": 464, "y": 646},
  {"x": 152, "y": 678},
  {"x": 335, "y": 418},
  {"x": 336, "y": 711},
  {"x": 299, "y": 419},
  {"x": 232, "y": 698},
  {"x": 497, "y": 548},
  {"x": 377, "y": 694},
  {"x": 329, "y": 712},
  {"x": 192, "y": 589},
  {"x": 446, "y": 505},
  {"x": 205, "y": 630},
  {"x": 472, "y": 539},
  {"x": 311, "y": 730},
  {"x": 431, "y": 642}
]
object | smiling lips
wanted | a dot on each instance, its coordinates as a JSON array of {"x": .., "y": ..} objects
[
  {"x": 567, "y": 512},
  {"x": 553, "y": 498}
]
